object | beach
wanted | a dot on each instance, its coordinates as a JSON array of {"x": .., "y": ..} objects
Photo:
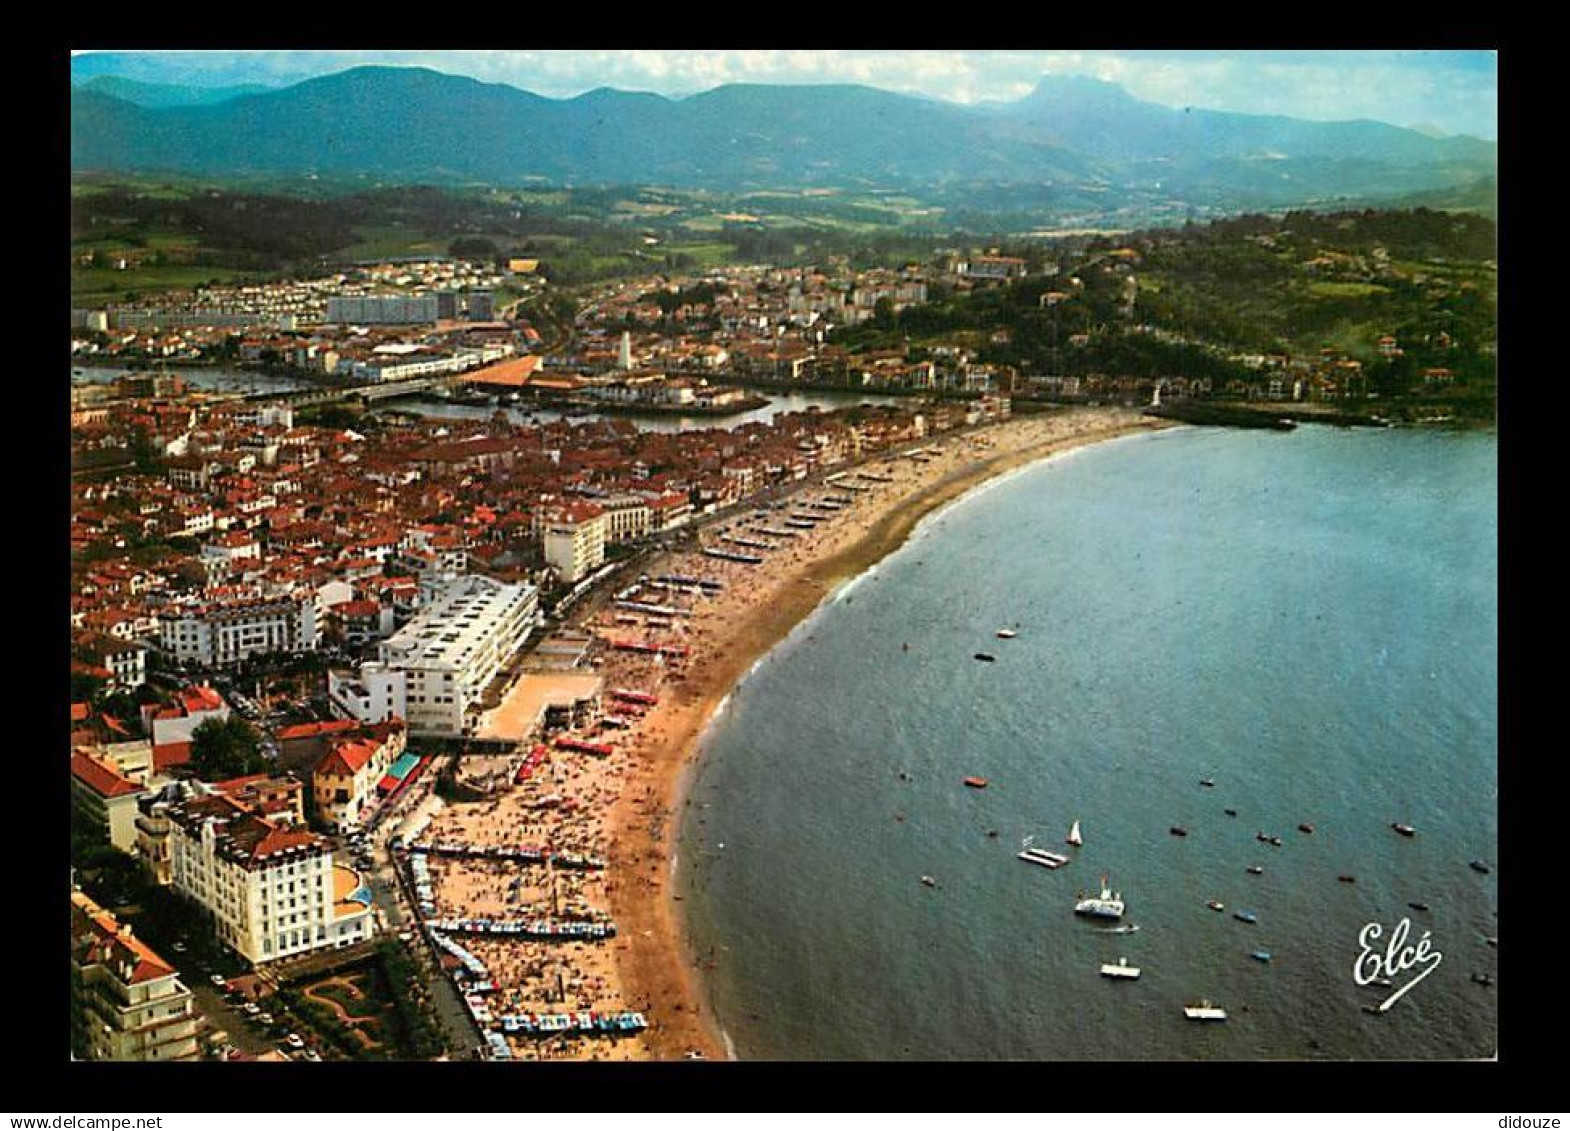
[{"x": 620, "y": 800}]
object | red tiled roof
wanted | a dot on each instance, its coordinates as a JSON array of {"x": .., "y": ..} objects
[
  {"x": 347, "y": 757},
  {"x": 102, "y": 779},
  {"x": 312, "y": 730},
  {"x": 168, "y": 754},
  {"x": 99, "y": 939}
]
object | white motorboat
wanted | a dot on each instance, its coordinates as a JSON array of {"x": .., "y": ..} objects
[
  {"x": 1204, "y": 1010},
  {"x": 1119, "y": 969},
  {"x": 1108, "y": 905}
]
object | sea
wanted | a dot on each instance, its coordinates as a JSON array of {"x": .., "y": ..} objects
[{"x": 1307, "y": 619}]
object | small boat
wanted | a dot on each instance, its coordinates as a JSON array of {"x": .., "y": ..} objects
[
  {"x": 1107, "y": 905},
  {"x": 1347, "y": 879},
  {"x": 1043, "y": 857},
  {"x": 929, "y": 881},
  {"x": 1119, "y": 969},
  {"x": 1491, "y": 940},
  {"x": 1178, "y": 830},
  {"x": 986, "y": 657},
  {"x": 1255, "y": 870},
  {"x": 1418, "y": 906},
  {"x": 1404, "y": 830},
  {"x": 976, "y": 783},
  {"x": 1479, "y": 866},
  {"x": 1482, "y": 979},
  {"x": 1216, "y": 905},
  {"x": 1275, "y": 841},
  {"x": 1125, "y": 929},
  {"x": 1372, "y": 1009},
  {"x": 1245, "y": 916},
  {"x": 1208, "y": 783},
  {"x": 1305, "y": 828},
  {"x": 1230, "y": 812},
  {"x": 1260, "y": 956},
  {"x": 1073, "y": 835},
  {"x": 1204, "y": 1010},
  {"x": 1006, "y": 634}
]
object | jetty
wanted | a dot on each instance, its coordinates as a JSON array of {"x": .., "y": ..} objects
[
  {"x": 526, "y": 928},
  {"x": 732, "y": 556},
  {"x": 571, "y": 1024}
]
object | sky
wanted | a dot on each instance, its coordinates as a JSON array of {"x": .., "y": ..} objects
[{"x": 1453, "y": 92}]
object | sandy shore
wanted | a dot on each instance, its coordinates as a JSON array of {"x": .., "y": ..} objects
[
  {"x": 727, "y": 634},
  {"x": 617, "y": 799}
]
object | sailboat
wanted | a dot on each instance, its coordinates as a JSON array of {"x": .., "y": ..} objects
[{"x": 1073, "y": 835}]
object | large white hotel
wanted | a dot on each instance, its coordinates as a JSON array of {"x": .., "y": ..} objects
[
  {"x": 434, "y": 669},
  {"x": 271, "y": 886}
]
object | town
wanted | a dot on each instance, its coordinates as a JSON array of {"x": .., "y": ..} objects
[{"x": 365, "y": 692}]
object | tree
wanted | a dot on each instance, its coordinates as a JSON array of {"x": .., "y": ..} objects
[{"x": 226, "y": 748}]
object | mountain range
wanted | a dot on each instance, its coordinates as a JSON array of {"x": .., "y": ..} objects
[{"x": 408, "y": 124}]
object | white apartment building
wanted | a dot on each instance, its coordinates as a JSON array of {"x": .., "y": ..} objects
[
  {"x": 433, "y": 670},
  {"x": 272, "y": 887},
  {"x": 627, "y": 518},
  {"x": 217, "y": 634},
  {"x": 127, "y": 1002},
  {"x": 573, "y": 540}
]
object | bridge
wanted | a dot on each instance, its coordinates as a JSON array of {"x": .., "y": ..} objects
[{"x": 365, "y": 394}]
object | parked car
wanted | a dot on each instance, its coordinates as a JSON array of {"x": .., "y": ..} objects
[
  {"x": 218, "y": 980},
  {"x": 294, "y": 1041},
  {"x": 251, "y": 1009},
  {"x": 264, "y": 1018}
]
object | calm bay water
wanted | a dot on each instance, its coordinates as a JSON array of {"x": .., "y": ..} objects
[{"x": 1308, "y": 618}]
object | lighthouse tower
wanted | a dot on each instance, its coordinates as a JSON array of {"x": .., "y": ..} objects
[{"x": 624, "y": 354}]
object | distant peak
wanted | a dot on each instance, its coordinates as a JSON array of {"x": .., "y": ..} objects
[{"x": 1080, "y": 86}]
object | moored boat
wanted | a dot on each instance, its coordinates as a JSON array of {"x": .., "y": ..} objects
[
  {"x": 1006, "y": 634},
  {"x": 1260, "y": 956},
  {"x": 1216, "y": 905},
  {"x": 1255, "y": 870},
  {"x": 1347, "y": 879},
  {"x": 1108, "y": 905},
  {"x": 1178, "y": 830},
  {"x": 1119, "y": 969},
  {"x": 1305, "y": 827},
  {"x": 986, "y": 657},
  {"x": 1245, "y": 916},
  {"x": 1204, "y": 1010},
  {"x": 1074, "y": 837},
  {"x": 1043, "y": 857},
  {"x": 976, "y": 783},
  {"x": 1404, "y": 830},
  {"x": 1479, "y": 866}
]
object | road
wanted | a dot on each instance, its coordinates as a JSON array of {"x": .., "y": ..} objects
[{"x": 396, "y": 913}]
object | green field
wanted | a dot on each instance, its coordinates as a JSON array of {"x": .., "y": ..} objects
[
  {"x": 1346, "y": 290},
  {"x": 91, "y": 286}
]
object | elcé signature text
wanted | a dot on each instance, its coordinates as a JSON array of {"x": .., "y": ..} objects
[{"x": 1397, "y": 958}]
